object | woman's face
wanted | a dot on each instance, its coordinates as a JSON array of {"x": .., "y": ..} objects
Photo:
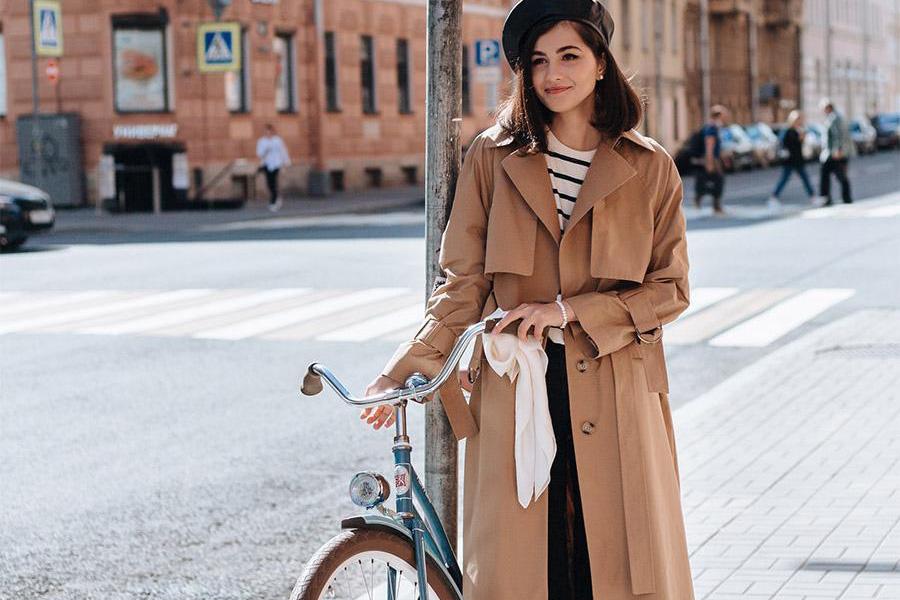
[{"x": 564, "y": 71}]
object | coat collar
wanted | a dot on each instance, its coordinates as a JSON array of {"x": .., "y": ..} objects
[{"x": 609, "y": 170}]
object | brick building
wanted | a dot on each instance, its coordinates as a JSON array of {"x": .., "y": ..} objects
[{"x": 350, "y": 108}]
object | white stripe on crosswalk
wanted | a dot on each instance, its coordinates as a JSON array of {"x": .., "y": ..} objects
[
  {"x": 884, "y": 211},
  {"x": 707, "y": 296},
  {"x": 266, "y": 323},
  {"x": 376, "y": 326},
  {"x": 774, "y": 323},
  {"x": 99, "y": 310},
  {"x": 720, "y": 316},
  {"x": 38, "y": 301},
  {"x": 198, "y": 311}
]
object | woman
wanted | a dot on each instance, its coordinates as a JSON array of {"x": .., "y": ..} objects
[
  {"x": 563, "y": 200},
  {"x": 793, "y": 143}
]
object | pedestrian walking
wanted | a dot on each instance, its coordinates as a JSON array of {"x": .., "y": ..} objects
[
  {"x": 273, "y": 155},
  {"x": 709, "y": 171},
  {"x": 793, "y": 143},
  {"x": 836, "y": 153},
  {"x": 569, "y": 219}
]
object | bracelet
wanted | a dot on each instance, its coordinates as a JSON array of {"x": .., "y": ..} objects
[{"x": 565, "y": 315}]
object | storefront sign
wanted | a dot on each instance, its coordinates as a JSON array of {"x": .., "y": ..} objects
[
  {"x": 218, "y": 47},
  {"x": 145, "y": 132},
  {"x": 139, "y": 56},
  {"x": 47, "y": 17}
]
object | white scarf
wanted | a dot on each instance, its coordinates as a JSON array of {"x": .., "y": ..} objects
[{"x": 535, "y": 444}]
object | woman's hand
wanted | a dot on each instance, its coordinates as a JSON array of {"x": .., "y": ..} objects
[
  {"x": 383, "y": 414},
  {"x": 536, "y": 316}
]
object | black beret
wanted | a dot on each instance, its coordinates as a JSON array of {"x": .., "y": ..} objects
[{"x": 528, "y": 13}]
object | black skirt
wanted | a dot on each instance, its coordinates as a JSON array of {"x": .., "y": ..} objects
[{"x": 568, "y": 564}]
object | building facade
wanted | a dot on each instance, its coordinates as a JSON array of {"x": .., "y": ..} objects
[
  {"x": 851, "y": 54},
  {"x": 754, "y": 58},
  {"x": 345, "y": 88}
]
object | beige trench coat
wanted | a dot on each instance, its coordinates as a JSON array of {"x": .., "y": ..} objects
[{"x": 622, "y": 266}]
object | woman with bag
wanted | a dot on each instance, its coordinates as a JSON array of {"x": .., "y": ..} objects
[{"x": 570, "y": 220}]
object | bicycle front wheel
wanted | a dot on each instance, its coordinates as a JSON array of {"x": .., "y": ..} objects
[{"x": 366, "y": 564}]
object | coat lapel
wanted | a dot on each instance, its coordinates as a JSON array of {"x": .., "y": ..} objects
[
  {"x": 608, "y": 172},
  {"x": 529, "y": 174}
]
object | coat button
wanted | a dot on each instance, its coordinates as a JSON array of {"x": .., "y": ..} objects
[
  {"x": 587, "y": 428},
  {"x": 581, "y": 365}
]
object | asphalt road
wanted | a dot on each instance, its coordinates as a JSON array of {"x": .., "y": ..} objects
[{"x": 163, "y": 463}]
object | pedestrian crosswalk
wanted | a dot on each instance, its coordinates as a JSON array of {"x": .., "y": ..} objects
[{"x": 718, "y": 316}]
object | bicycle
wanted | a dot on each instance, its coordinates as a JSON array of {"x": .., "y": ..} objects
[{"x": 392, "y": 553}]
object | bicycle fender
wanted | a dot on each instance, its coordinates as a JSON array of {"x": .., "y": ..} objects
[{"x": 380, "y": 522}]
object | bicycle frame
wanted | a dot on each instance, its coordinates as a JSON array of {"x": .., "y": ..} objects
[{"x": 415, "y": 516}]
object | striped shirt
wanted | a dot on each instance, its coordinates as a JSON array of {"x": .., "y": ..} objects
[{"x": 567, "y": 168}]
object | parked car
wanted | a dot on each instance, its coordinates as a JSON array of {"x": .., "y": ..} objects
[
  {"x": 887, "y": 130},
  {"x": 765, "y": 143},
  {"x": 12, "y": 225},
  {"x": 35, "y": 204},
  {"x": 864, "y": 136},
  {"x": 737, "y": 149},
  {"x": 815, "y": 133}
]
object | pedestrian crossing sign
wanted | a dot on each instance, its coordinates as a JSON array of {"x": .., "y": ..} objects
[
  {"x": 219, "y": 47},
  {"x": 47, "y": 23}
]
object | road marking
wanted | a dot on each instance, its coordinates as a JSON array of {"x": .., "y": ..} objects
[
  {"x": 377, "y": 326},
  {"x": 266, "y": 323},
  {"x": 198, "y": 311},
  {"x": 884, "y": 212},
  {"x": 97, "y": 310},
  {"x": 35, "y": 302},
  {"x": 774, "y": 323},
  {"x": 721, "y": 316},
  {"x": 386, "y": 219},
  {"x": 707, "y": 296}
]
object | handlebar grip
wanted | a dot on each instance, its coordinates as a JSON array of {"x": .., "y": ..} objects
[
  {"x": 312, "y": 382},
  {"x": 512, "y": 327}
]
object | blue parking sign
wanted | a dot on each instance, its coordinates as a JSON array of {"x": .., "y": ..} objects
[{"x": 487, "y": 53}]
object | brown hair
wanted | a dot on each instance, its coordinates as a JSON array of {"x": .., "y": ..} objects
[{"x": 617, "y": 106}]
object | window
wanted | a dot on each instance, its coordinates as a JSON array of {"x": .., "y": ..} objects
[
  {"x": 403, "y": 93},
  {"x": 337, "y": 180},
  {"x": 373, "y": 176},
  {"x": 283, "y": 45},
  {"x": 626, "y": 24},
  {"x": 2, "y": 75},
  {"x": 466, "y": 87},
  {"x": 237, "y": 83},
  {"x": 367, "y": 73},
  {"x": 140, "y": 65},
  {"x": 331, "y": 77},
  {"x": 410, "y": 175}
]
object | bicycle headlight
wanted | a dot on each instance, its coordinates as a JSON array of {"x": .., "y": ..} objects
[{"x": 368, "y": 489}]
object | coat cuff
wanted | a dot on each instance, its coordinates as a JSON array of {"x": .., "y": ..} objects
[
  {"x": 424, "y": 354},
  {"x": 612, "y": 320}
]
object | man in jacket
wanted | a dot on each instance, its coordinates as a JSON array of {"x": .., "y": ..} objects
[{"x": 836, "y": 153}]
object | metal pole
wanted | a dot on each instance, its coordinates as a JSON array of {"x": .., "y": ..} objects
[
  {"x": 865, "y": 58},
  {"x": 752, "y": 44},
  {"x": 704, "y": 58},
  {"x": 658, "y": 24},
  {"x": 828, "y": 32},
  {"x": 35, "y": 146},
  {"x": 442, "y": 160}
]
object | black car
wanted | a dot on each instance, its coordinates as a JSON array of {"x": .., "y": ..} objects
[
  {"x": 887, "y": 130},
  {"x": 13, "y": 231},
  {"x": 34, "y": 203}
]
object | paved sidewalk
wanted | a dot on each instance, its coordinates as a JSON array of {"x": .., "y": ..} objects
[
  {"x": 791, "y": 470},
  {"x": 360, "y": 202}
]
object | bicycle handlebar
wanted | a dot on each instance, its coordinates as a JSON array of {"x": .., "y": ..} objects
[{"x": 417, "y": 386}]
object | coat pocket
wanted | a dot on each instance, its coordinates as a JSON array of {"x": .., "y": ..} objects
[
  {"x": 511, "y": 236},
  {"x": 621, "y": 240}
]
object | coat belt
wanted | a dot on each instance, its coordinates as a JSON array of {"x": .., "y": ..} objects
[{"x": 630, "y": 392}]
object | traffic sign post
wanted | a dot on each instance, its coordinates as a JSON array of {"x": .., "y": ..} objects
[
  {"x": 46, "y": 21},
  {"x": 487, "y": 69},
  {"x": 219, "y": 47},
  {"x": 52, "y": 71}
]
